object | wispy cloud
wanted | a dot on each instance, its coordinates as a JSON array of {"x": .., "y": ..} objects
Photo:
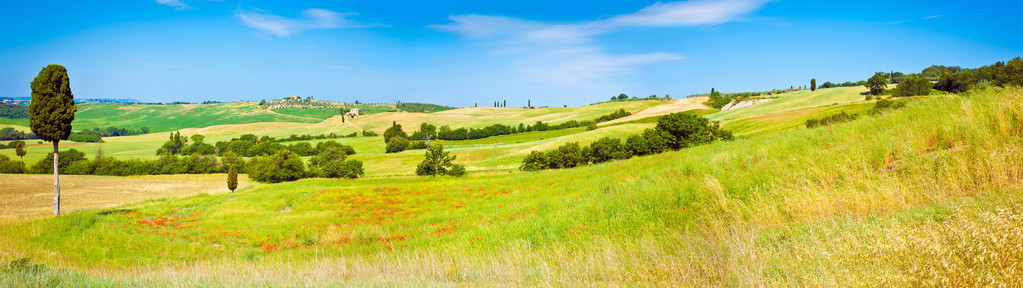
[
  {"x": 896, "y": 22},
  {"x": 567, "y": 53},
  {"x": 177, "y": 4},
  {"x": 310, "y": 19},
  {"x": 933, "y": 16}
]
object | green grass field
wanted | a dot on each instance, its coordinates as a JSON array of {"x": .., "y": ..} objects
[
  {"x": 923, "y": 196},
  {"x": 490, "y": 154}
]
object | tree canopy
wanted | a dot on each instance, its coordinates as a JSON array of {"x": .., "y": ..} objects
[
  {"x": 53, "y": 106},
  {"x": 877, "y": 83}
]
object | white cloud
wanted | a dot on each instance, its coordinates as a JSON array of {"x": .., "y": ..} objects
[
  {"x": 933, "y": 16},
  {"x": 687, "y": 13},
  {"x": 177, "y": 4},
  {"x": 567, "y": 53},
  {"x": 311, "y": 19}
]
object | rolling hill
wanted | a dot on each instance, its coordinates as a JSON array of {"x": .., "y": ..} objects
[{"x": 868, "y": 202}]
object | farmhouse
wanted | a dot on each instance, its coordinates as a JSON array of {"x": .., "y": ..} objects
[{"x": 354, "y": 112}]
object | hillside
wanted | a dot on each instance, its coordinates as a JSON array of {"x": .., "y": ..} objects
[{"x": 874, "y": 202}]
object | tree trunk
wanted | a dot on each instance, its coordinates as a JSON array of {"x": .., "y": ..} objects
[{"x": 56, "y": 182}]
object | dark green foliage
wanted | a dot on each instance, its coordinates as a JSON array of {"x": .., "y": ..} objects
[
  {"x": 368, "y": 133},
  {"x": 8, "y": 166},
  {"x": 877, "y": 83},
  {"x": 614, "y": 115},
  {"x": 397, "y": 144},
  {"x": 673, "y": 130},
  {"x": 813, "y": 84},
  {"x": 326, "y": 156},
  {"x": 8, "y": 133},
  {"x": 607, "y": 149},
  {"x": 173, "y": 146},
  {"x": 591, "y": 127},
  {"x": 53, "y": 106},
  {"x": 10, "y": 111},
  {"x": 447, "y": 133},
  {"x": 279, "y": 167},
  {"x": 952, "y": 83},
  {"x": 717, "y": 100},
  {"x": 45, "y": 165},
  {"x": 438, "y": 162},
  {"x": 535, "y": 161},
  {"x": 567, "y": 156},
  {"x": 416, "y": 145},
  {"x": 912, "y": 86},
  {"x": 688, "y": 130},
  {"x": 651, "y": 141},
  {"x": 394, "y": 130},
  {"x": 303, "y": 149},
  {"x": 350, "y": 169},
  {"x": 1011, "y": 73},
  {"x": 323, "y": 146},
  {"x": 85, "y": 137},
  {"x": 232, "y": 159},
  {"x": 422, "y": 107},
  {"x": 19, "y": 149},
  {"x": 232, "y": 179},
  {"x": 837, "y": 118},
  {"x": 264, "y": 149}
]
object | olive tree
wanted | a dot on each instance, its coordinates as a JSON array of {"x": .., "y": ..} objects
[{"x": 50, "y": 114}]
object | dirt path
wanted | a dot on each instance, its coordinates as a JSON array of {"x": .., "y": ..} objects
[{"x": 677, "y": 105}]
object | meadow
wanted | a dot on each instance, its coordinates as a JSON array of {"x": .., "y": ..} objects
[{"x": 903, "y": 198}]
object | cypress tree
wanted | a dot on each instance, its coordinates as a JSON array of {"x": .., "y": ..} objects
[
  {"x": 50, "y": 114},
  {"x": 232, "y": 179}
]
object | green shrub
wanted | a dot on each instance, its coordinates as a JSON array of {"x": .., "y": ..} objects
[
  {"x": 279, "y": 167},
  {"x": 912, "y": 86},
  {"x": 397, "y": 144},
  {"x": 607, "y": 149}
]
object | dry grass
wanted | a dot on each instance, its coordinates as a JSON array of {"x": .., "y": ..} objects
[{"x": 32, "y": 195}]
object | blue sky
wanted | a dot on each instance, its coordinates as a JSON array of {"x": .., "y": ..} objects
[{"x": 464, "y": 52}]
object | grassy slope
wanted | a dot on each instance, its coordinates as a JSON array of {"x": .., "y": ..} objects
[
  {"x": 903, "y": 199},
  {"x": 162, "y": 118},
  {"x": 795, "y": 101},
  {"x": 499, "y": 152}
]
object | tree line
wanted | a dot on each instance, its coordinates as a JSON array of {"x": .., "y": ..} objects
[
  {"x": 422, "y": 107},
  {"x": 247, "y": 145},
  {"x": 10, "y": 111},
  {"x": 398, "y": 140},
  {"x": 673, "y": 132}
]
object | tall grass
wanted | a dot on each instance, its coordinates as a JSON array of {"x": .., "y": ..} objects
[{"x": 925, "y": 196}]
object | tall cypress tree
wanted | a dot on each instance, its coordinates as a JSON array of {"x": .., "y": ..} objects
[
  {"x": 50, "y": 115},
  {"x": 232, "y": 179}
]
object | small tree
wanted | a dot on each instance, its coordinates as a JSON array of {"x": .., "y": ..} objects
[
  {"x": 232, "y": 179},
  {"x": 876, "y": 83},
  {"x": 51, "y": 112},
  {"x": 397, "y": 144},
  {"x": 813, "y": 84},
  {"x": 438, "y": 162},
  {"x": 394, "y": 130},
  {"x": 19, "y": 149}
]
